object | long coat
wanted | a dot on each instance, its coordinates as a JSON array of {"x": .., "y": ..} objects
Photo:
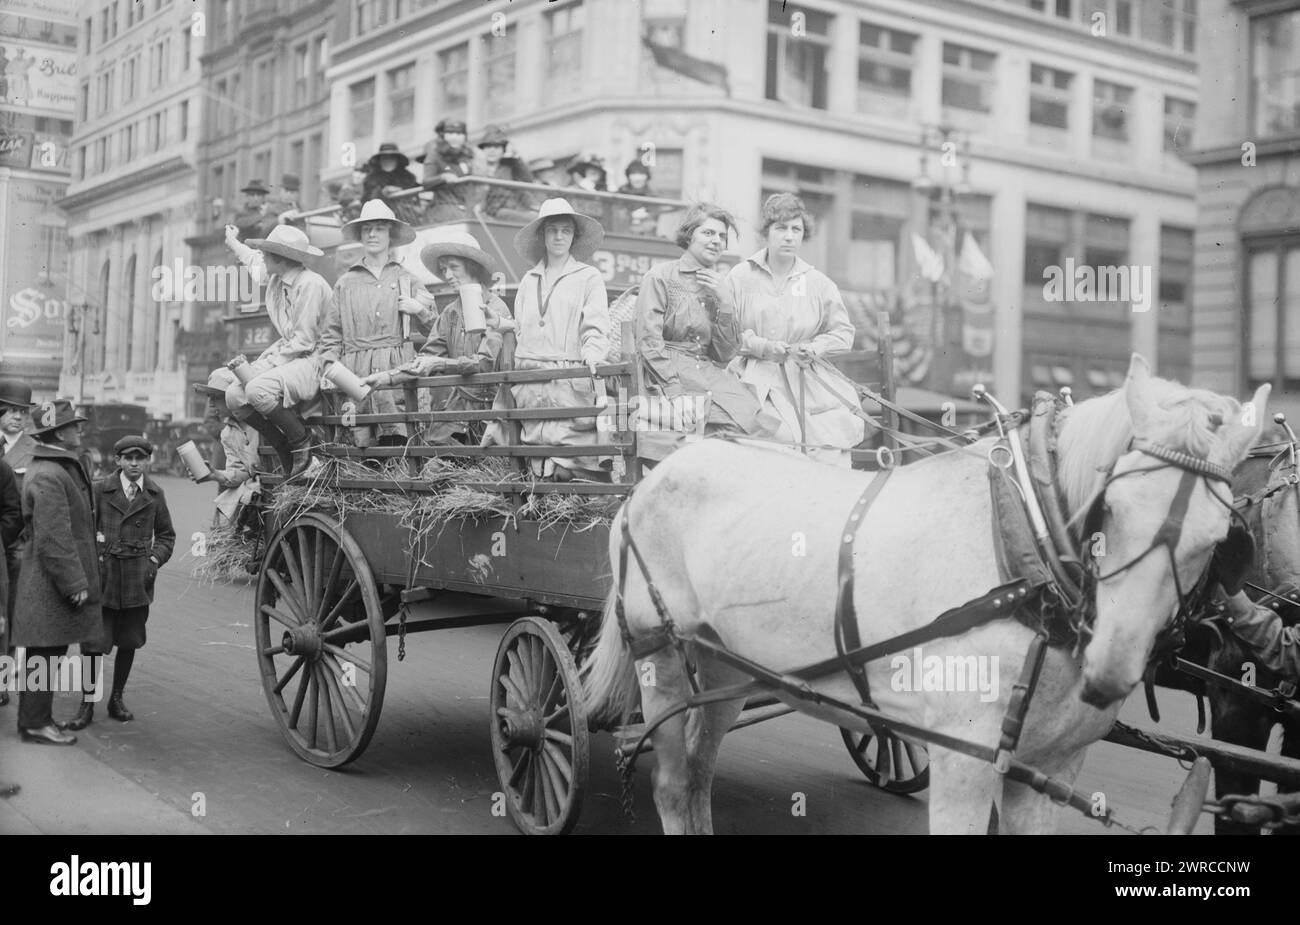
[
  {"x": 11, "y": 526},
  {"x": 20, "y": 457},
  {"x": 59, "y": 559},
  {"x": 133, "y": 531}
]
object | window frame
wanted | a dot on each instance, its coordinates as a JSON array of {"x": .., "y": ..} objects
[{"x": 964, "y": 72}]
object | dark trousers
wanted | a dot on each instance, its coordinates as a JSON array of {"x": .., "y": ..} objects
[{"x": 35, "y": 708}]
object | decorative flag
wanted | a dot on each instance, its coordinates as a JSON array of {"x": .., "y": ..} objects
[
  {"x": 928, "y": 262},
  {"x": 677, "y": 60},
  {"x": 975, "y": 277}
]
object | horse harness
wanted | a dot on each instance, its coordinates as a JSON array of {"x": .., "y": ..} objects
[{"x": 1064, "y": 596}]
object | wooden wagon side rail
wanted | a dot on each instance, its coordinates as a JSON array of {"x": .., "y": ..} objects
[{"x": 1223, "y": 755}]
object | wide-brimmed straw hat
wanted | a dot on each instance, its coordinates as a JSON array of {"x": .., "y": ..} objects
[
  {"x": 376, "y": 210},
  {"x": 448, "y": 242},
  {"x": 219, "y": 380},
  {"x": 288, "y": 242},
  {"x": 388, "y": 149},
  {"x": 15, "y": 393},
  {"x": 587, "y": 237},
  {"x": 51, "y": 415}
]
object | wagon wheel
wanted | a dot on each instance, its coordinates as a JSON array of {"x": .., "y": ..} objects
[
  {"x": 539, "y": 728},
  {"x": 909, "y": 765},
  {"x": 320, "y": 640}
]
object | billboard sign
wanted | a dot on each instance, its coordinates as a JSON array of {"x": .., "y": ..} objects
[{"x": 33, "y": 303}]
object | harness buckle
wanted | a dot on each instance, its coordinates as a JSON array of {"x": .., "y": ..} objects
[{"x": 1002, "y": 761}]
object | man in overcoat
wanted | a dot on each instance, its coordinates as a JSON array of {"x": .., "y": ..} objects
[
  {"x": 11, "y": 526},
  {"x": 137, "y": 539},
  {"x": 16, "y": 449},
  {"x": 58, "y": 581}
]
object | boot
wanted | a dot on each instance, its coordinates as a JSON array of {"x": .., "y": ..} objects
[
  {"x": 291, "y": 426},
  {"x": 272, "y": 435},
  {"x": 117, "y": 709},
  {"x": 85, "y": 716}
]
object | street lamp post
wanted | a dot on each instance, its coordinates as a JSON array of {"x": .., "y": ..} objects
[{"x": 941, "y": 218}]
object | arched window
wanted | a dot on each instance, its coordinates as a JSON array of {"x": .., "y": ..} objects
[
  {"x": 154, "y": 311},
  {"x": 97, "y": 328},
  {"x": 128, "y": 314}
]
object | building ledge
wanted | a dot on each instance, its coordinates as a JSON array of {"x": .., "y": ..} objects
[
  {"x": 89, "y": 197},
  {"x": 1286, "y": 144}
]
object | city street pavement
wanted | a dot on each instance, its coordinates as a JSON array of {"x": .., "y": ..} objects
[{"x": 205, "y": 755}]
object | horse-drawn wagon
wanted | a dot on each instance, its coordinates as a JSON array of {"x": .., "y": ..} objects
[{"x": 350, "y": 551}]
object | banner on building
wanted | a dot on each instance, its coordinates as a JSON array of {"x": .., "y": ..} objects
[
  {"x": 42, "y": 9},
  {"x": 974, "y": 290},
  {"x": 39, "y": 77},
  {"x": 15, "y": 148},
  {"x": 34, "y": 309}
]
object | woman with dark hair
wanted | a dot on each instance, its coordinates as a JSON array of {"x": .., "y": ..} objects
[
  {"x": 790, "y": 315},
  {"x": 687, "y": 331}
]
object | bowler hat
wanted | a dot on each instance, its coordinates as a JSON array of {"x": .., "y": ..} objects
[
  {"x": 450, "y": 125},
  {"x": 588, "y": 232},
  {"x": 133, "y": 442},
  {"x": 288, "y": 242},
  {"x": 15, "y": 393},
  {"x": 388, "y": 149},
  {"x": 376, "y": 210},
  {"x": 256, "y": 186},
  {"x": 51, "y": 415},
  {"x": 447, "y": 242}
]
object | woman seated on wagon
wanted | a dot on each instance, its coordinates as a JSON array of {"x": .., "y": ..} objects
[
  {"x": 687, "y": 332},
  {"x": 790, "y": 314},
  {"x": 466, "y": 337},
  {"x": 562, "y": 316}
]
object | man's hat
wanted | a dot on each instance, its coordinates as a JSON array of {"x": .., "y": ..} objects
[
  {"x": 538, "y": 164},
  {"x": 51, "y": 415},
  {"x": 256, "y": 186},
  {"x": 219, "y": 380},
  {"x": 583, "y": 161},
  {"x": 376, "y": 210},
  {"x": 290, "y": 182},
  {"x": 494, "y": 135},
  {"x": 636, "y": 165},
  {"x": 447, "y": 242},
  {"x": 133, "y": 442},
  {"x": 388, "y": 149},
  {"x": 288, "y": 242},
  {"x": 587, "y": 237},
  {"x": 15, "y": 393},
  {"x": 451, "y": 125}
]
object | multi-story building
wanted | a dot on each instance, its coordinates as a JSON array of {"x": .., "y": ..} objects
[
  {"x": 1073, "y": 114},
  {"x": 38, "y": 84},
  {"x": 1246, "y": 328},
  {"x": 131, "y": 203},
  {"x": 266, "y": 112}
]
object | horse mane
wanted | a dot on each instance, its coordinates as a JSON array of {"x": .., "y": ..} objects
[{"x": 1095, "y": 433}]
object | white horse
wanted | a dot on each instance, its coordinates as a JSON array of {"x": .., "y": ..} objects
[{"x": 742, "y": 543}]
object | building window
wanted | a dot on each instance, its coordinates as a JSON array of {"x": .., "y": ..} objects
[
  {"x": 295, "y": 158},
  {"x": 372, "y": 14},
  {"x": 235, "y": 110},
  {"x": 1275, "y": 72},
  {"x": 112, "y": 20},
  {"x": 1049, "y": 96},
  {"x": 453, "y": 81},
  {"x": 797, "y": 64},
  {"x": 262, "y": 164},
  {"x": 1273, "y": 314},
  {"x": 311, "y": 169},
  {"x": 157, "y": 130},
  {"x": 362, "y": 104},
  {"x": 1110, "y": 104},
  {"x": 302, "y": 74},
  {"x": 967, "y": 78},
  {"x": 1058, "y": 8},
  {"x": 401, "y": 95},
  {"x": 885, "y": 63},
  {"x": 89, "y": 28},
  {"x": 880, "y": 209},
  {"x": 128, "y": 143},
  {"x": 185, "y": 119},
  {"x": 320, "y": 61},
  {"x": 1047, "y": 233},
  {"x": 499, "y": 74},
  {"x": 187, "y": 43},
  {"x": 85, "y": 100},
  {"x": 564, "y": 30},
  {"x": 1175, "y": 25},
  {"x": 1175, "y": 282},
  {"x": 1180, "y": 119}
]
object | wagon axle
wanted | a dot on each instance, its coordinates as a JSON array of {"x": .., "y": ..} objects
[
  {"x": 522, "y": 728},
  {"x": 303, "y": 639}
]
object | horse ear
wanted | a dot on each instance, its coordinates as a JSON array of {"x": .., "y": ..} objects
[
  {"x": 1135, "y": 392},
  {"x": 1250, "y": 422}
]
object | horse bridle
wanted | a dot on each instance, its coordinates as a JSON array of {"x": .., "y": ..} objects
[{"x": 1166, "y": 537}]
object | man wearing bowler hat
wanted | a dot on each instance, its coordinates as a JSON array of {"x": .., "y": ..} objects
[
  {"x": 288, "y": 372},
  {"x": 135, "y": 540},
  {"x": 58, "y": 583},
  {"x": 15, "y": 405},
  {"x": 251, "y": 220}
]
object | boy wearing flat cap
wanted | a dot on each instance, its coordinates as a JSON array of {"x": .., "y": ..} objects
[{"x": 135, "y": 538}]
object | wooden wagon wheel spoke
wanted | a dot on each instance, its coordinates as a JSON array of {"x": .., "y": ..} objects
[
  {"x": 539, "y": 728},
  {"x": 312, "y": 574},
  {"x": 894, "y": 765},
  {"x": 288, "y": 675}
]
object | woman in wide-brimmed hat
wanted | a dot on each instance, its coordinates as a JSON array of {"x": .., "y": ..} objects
[
  {"x": 364, "y": 328},
  {"x": 237, "y": 477},
  {"x": 465, "y": 339},
  {"x": 562, "y": 315}
]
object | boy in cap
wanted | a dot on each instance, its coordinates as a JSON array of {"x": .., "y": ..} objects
[
  {"x": 135, "y": 538},
  {"x": 448, "y": 157},
  {"x": 288, "y": 372},
  {"x": 502, "y": 162}
]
